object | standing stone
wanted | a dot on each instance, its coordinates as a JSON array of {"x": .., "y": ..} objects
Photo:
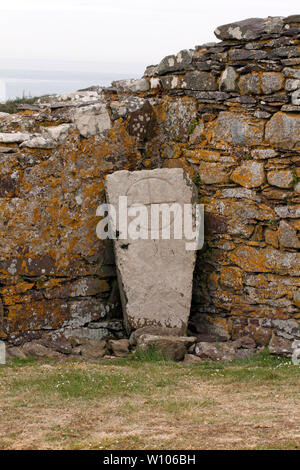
[
  {"x": 2, "y": 352},
  {"x": 155, "y": 276}
]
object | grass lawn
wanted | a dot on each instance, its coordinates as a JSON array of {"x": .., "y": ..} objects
[{"x": 147, "y": 403}]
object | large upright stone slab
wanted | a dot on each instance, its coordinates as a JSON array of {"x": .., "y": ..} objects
[
  {"x": 2, "y": 352},
  {"x": 155, "y": 276}
]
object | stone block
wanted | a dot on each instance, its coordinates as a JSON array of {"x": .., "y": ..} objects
[
  {"x": 155, "y": 275},
  {"x": 283, "y": 131}
]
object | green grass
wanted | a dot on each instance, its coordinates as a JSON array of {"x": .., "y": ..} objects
[
  {"x": 128, "y": 375},
  {"x": 144, "y": 401}
]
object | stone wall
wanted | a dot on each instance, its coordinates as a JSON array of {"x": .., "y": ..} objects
[{"x": 226, "y": 112}]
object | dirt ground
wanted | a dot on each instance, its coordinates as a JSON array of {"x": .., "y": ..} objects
[{"x": 147, "y": 404}]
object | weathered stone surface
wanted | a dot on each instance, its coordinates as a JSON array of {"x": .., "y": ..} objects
[
  {"x": 171, "y": 347},
  {"x": 231, "y": 277},
  {"x": 281, "y": 178},
  {"x": 15, "y": 352},
  {"x": 271, "y": 82},
  {"x": 36, "y": 349},
  {"x": 285, "y": 212},
  {"x": 239, "y": 129},
  {"x": 141, "y": 122},
  {"x": 13, "y": 137},
  {"x": 119, "y": 348},
  {"x": 291, "y": 85},
  {"x": 266, "y": 260},
  {"x": 215, "y": 351},
  {"x": 202, "y": 81},
  {"x": 212, "y": 173},
  {"x": 133, "y": 85},
  {"x": 38, "y": 142},
  {"x": 228, "y": 79},
  {"x": 170, "y": 82},
  {"x": 126, "y": 105},
  {"x": 288, "y": 235},
  {"x": 90, "y": 349},
  {"x": 250, "y": 84},
  {"x": 249, "y": 174},
  {"x": 292, "y": 19},
  {"x": 174, "y": 63},
  {"x": 191, "y": 359},
  {"x": 155, "y": 275},
  {"x": 263, "y": 154},
  {"x": 297, "y": 298},
  {"x": 271, "y": 238},
  {"x": 291, "y": 73},
  {"x": 178, "y": 116},
  {"x": 59, "y": 133},
  {"x": 280, "y": 346},
  {"x": 283, "y": 131},
  {"x": 241, "y": 54},
  {"x": 248, "y": 29},
  {"x": 92, "y": 120},
  {"x": 152, "y": 330},
  {"x": 296, "y": 97}
]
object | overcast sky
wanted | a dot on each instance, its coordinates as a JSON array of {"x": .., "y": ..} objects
[{"x": 119, "y": 35}]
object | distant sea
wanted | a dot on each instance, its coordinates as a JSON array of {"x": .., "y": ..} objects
[{"x": 30, "y": 83}]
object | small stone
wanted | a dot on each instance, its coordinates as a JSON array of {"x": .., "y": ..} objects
[
  {"x": 92, "y": 120},
  {"x": 131, "y": 85},
  {"x": 13, "y": 138},
  {"x": 191, "y": 359},
  {"x": 291, "y": 73},
  {"x": 241, "y": 54},
  {"x": 228, "y": 79},
  {"x": 280, "y": 346},
  {"x": 231, "y": 277},
  {"x": 120, "y": 348},
  {"x": 15, "y": 352},
  {"x": 271, "y": 82},
  {"x": 263, "y": 154},
  {"x": 59, "y": 133},
  {"x": 239, "y": 129},
  {"x": 271, "y": 238},
  {"x": 296, "y": 97},
  {"x": 7, "y": 150},
  {"x": 261, "y": 114},
  {"x": 291, "y": 85},
  {"x": 288, "y": 235},
  {"x": 38, "y": 142},
  {"x": 152, "y": 330},
  {"x": 281, "y": 178},
  {"x": 213, "y": 173},
  {"x": 292, "y": 19},
  {"x": 202, "y": 81},
  {"x": 171, "y": 347},
  {"x": 215, "y": 351},
  {"x": 297, "y": 188},
  {"x": 38, "y": 350},
  {"x": 249, "y": 29},
  {"x": 296, "y": 298},
  {"x": 250, "y": 84},
  {"x": 283, "y": 131},
  {"x": 170, "y": 82},
  {"x": 288, "y": 212},
  {"x": 173, "y": 63},
  {"x": 92, "y": 349},
  {"x": 249, "y": 174}
]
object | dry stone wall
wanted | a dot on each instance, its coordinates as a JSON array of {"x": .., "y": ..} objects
[{"x": 226, "y": 112}]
